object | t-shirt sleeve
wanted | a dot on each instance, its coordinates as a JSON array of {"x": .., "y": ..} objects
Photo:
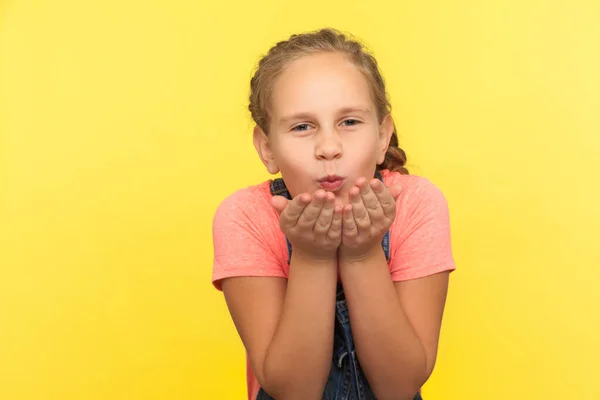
[
  {"x": 420, "y": 240},
  {"x": 244, "y": 238}
]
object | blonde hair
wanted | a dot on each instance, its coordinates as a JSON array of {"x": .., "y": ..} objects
[{"x": 324, "y": 40}]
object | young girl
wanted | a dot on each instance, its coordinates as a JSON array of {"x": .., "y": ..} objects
[{"x": 336, "y": 274}]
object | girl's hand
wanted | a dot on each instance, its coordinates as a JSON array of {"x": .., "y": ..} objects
[
  {"x": 313, "y": 224},
  {"x": 367, "y": 218}
]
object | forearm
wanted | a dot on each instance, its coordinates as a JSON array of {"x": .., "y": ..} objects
[
  {"x": 390, "y": 352},
  {"x": 298, "y": 360}
]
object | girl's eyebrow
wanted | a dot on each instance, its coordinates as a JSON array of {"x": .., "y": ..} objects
[
  {"x": 306, "y": 115},
  {"x": 294, "y": 117},
  {"x": 351, "y": 110}
]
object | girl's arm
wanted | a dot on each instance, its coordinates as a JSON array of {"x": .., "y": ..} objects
[
  {"x": 288, "y": 334},
  {"x": 395, "y": 325}
]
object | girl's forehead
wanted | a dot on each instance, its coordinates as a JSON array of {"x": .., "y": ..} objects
[{"x": 322, "y": 82}]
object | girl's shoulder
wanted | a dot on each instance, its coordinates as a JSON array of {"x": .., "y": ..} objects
[
  {"x": 251, "y": 203},
  {"x": 255, "y": 194},
  {"x": 420, "y": 234},
  {"x": 246, "y": 236}
]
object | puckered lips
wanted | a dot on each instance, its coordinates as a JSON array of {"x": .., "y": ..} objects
[{"x": 331, "y": 183}]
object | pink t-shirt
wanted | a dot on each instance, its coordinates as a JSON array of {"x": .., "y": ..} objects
[{"x": 248, "y": 241}]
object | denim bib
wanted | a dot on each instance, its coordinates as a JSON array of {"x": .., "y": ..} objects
[{"x": 346, "y": 379}]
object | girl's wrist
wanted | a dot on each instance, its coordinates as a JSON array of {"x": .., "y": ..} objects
[
  {"x": 304, "y": 257},
  {"x": 346, "y": 257}
]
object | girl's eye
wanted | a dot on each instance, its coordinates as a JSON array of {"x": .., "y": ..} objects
[
  {"x": 301, "y": 127},
  {"x": 350, "y": 122}
]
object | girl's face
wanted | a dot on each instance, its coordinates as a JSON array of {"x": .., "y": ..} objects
[{"x": 324, "y": 131}]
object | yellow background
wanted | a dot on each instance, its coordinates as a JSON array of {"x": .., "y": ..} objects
[{"x": 123, "y": 124}]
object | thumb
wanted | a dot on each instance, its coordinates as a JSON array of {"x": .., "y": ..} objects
[
  {"x": 279, "y": 203},
  {"x": 395, "y": 191}
]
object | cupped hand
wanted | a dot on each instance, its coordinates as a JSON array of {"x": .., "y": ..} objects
[
  {"x": 367, "y": 218},
  {"x": 312, "y": 223}
]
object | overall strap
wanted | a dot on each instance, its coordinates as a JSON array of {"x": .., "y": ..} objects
[{"x": 278, "y": 188}]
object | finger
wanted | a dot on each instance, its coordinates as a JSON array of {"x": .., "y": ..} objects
[
  {"x": 361, "y": 216},
  {"x": 325, "y": 217},
  {"x": 335, "y": 230},
  {"x": 387, "y": 201},
  {"x": 311, "y": 212},
  {"x": 370, "y": 200},
  {"x": 294, "y": 209},
  {"x": 349, "y": 227},
  {"x": 279, "y": 203}
]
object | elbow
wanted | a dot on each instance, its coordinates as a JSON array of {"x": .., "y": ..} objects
[
  {"x": 290, "y": 384},
  {"x": 408, "y": 387},
  {"x": 406, "y": 392},
  {"x": 274, "y": 382},
  {"x": 289, "y": 390}
]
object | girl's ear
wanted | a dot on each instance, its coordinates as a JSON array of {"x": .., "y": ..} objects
[
  {"x": 386, "y": 129},
  {"x": 263, "y": 148}
]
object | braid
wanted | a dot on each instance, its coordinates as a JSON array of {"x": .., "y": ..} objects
[{"x": 395, "y": 157}]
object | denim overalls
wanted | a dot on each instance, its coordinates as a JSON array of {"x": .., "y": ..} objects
[{"x": 346, "y": 379}]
